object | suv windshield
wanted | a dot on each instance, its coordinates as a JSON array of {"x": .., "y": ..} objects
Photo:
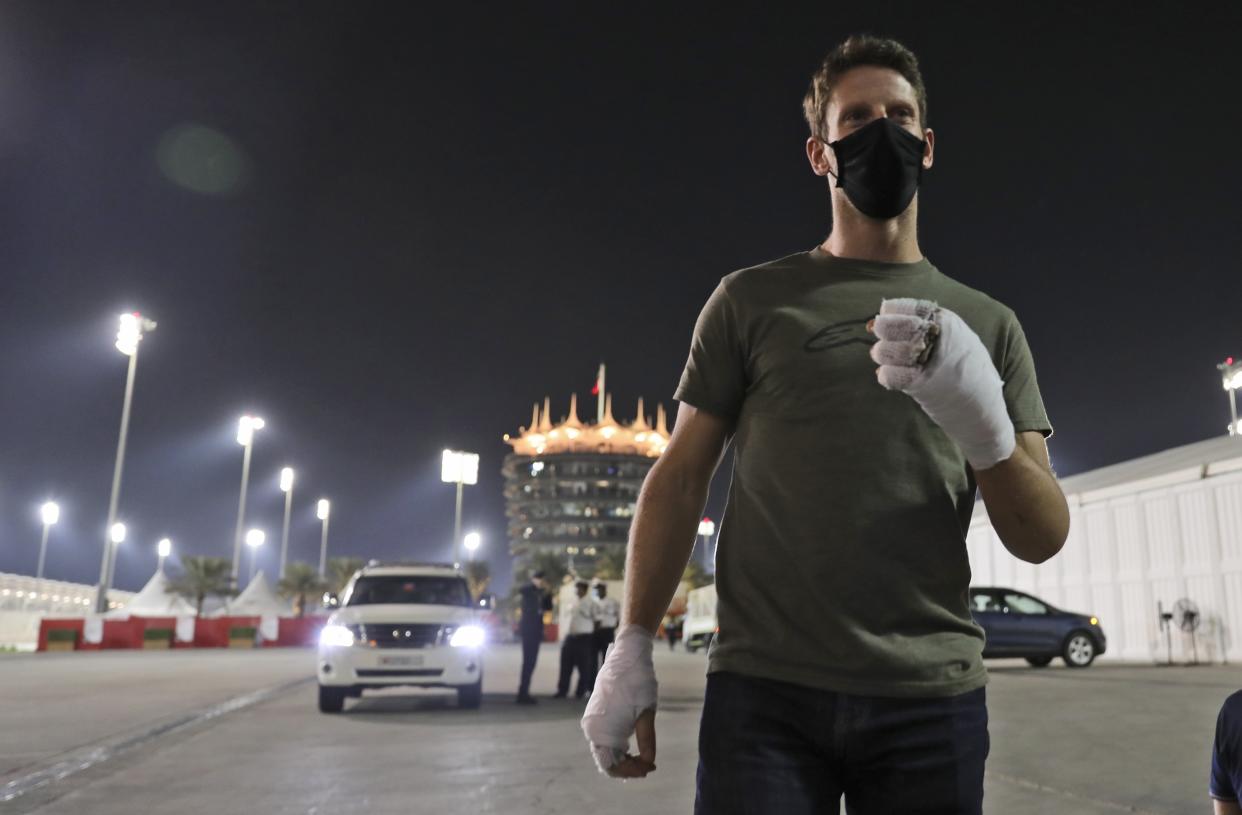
[{"x": 437, "y": 591}]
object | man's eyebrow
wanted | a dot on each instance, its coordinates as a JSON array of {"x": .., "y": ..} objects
[{"x": 857, "y": 107}]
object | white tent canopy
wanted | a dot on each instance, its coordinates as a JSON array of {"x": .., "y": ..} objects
[
  {"x": 256, "y": 600},
  {"x": 154, "y": 600}
]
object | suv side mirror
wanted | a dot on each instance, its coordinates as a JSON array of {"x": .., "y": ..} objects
[{"x": 330, "y": 600}]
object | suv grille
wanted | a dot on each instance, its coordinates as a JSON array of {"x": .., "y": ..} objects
[{"x": 400, "y": 635}]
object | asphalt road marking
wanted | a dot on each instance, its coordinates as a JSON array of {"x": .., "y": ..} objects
[{"x": 83, "y": 758}]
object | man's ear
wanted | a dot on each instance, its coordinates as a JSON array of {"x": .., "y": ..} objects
[
  {"x": 818, "y": 154},
  {"x": 929, "y": 152}
]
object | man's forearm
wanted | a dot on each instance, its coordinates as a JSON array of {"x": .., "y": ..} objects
[
  {"x": 661, "y": 539},
  {"x": 1026, "y": 506}
]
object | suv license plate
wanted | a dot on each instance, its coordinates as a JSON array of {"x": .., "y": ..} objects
[{"x": 403, "y": 662}]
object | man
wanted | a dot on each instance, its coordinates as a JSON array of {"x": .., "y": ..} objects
[
  {"x": 608, "y": 614},
  {"x": 846, "y": 662},
  {"x": 577, "y": 649},
  {"x": 535, "y": 601},
  {"x": 672, "y": 630},
  {"x": 1225, "y": 784}
]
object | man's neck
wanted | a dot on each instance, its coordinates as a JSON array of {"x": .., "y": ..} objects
[{"x": 858, "y": 237}]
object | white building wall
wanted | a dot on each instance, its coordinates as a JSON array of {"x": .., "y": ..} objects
[
  {"x": 1129, "y": 550},
  {"x": 25, "y": 601}
]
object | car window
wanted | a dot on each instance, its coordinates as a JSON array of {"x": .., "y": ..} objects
[
  {"x": 1024, "y": 605},
  {"x": 983, "y": 602},
  {"x": 439, "y": 591}
]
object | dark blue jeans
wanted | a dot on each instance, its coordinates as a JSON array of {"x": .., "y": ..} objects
[{"x": 769, "y": 747}]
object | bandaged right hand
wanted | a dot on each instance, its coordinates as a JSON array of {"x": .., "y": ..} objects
[
  {"x": 932, "y": 355},
  {"x": 623, "y": 703}
]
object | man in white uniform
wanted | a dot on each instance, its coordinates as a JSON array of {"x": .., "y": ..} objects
[{"x": 578, "y": 647}]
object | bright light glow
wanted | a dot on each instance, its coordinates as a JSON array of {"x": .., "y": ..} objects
[
  {"x": 165, "y": 547},
  {"x": 1095, "y": 621},
  {"x": 50, "y": 512},
  {"x": 706, "y": 527},
  {"x": 322, "y": 510},
  {"x": 472, "y": 541},
  {"x": 129, "y": 335},
  {"x": 246, "y": 426},
  {"x": 468, "y": 636},
  {"x": 536, "y": 467},
  {"x": 336, "y": 636},
  {"x": 460, "y": 467},
  {"x": 286, "y": 479},
  {"x": 255, "y": 538},
  {"x": 117, "y": 532},
  {"x": 572, "y": 432},
  {"x": 608, "y": 432}
]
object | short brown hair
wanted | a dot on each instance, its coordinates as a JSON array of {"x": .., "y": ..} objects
[{"x": 860, "y": 49}]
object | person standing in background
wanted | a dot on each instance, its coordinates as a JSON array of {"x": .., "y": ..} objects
[
  {"x": 535, "y": 601},
  {"x": 608, "y": 614},
  {"x": 577, "y": 649}
]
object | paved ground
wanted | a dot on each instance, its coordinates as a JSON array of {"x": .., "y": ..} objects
[{"x": 1107, "y": 740}]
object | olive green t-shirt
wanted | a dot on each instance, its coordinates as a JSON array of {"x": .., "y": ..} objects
[{"x": 841, "y": 562}]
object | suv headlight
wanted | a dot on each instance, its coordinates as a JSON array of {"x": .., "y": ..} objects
[
  {"x": 336, "y": 636},
  {"x": 467, "y": 636}
]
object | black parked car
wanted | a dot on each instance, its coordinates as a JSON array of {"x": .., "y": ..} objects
[{"x": 1019, "y": 625}]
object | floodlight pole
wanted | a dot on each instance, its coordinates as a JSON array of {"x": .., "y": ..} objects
[
  {"x": 43, "y": 550},
  {"x": 284, "y": 531},
  {"x": 241, "y": 509},
  {"x": 457, "y": 527},
  {"x": 108, "y": 566},
  {"x": 323, "y": 550}
]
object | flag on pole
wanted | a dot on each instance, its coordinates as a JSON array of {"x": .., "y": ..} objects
[{"x": 599, "y": 391}]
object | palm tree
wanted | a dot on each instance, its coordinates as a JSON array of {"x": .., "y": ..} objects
[
  {"x": 696, "y": 575},
  {"x": 201, "y": 578},
  {"x": 478, "y": 575},
  {"x": 552, "y": 564},
  {"x": 340, "y": 569},
  {"x": 300, "y": 581},
  {"x": 610, "y": 565}
]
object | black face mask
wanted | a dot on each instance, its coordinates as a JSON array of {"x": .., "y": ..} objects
[{"x": 879, "y": 167}]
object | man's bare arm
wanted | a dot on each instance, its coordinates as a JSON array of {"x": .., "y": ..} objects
[
  {"x": 1220, "y": 807},
  {"x": 669, "y": 508},
  {"x": 1025, "y": 504}
]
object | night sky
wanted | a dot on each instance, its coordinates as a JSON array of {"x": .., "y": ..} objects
[{"x": 391, "y": 228}]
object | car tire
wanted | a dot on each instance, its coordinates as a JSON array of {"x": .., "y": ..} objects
[
  {"x": 470, "y": 697},
  {"x": 1079, "y": 649},
  {"x": 331, "y": 700},
  {"x": 1039, "y": 662}
]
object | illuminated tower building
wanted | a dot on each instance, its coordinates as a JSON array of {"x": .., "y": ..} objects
[{"x": 571, "y": 488}]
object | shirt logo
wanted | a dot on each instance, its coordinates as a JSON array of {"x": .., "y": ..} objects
[{"x": 836, "y": 335}]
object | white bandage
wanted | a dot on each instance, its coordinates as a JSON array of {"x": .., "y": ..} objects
[
  {"x": 931, "y": 354},
  {"x": 624, "y": 689}
]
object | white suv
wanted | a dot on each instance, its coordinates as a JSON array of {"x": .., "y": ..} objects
[{"x": 402, "y": 625}]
